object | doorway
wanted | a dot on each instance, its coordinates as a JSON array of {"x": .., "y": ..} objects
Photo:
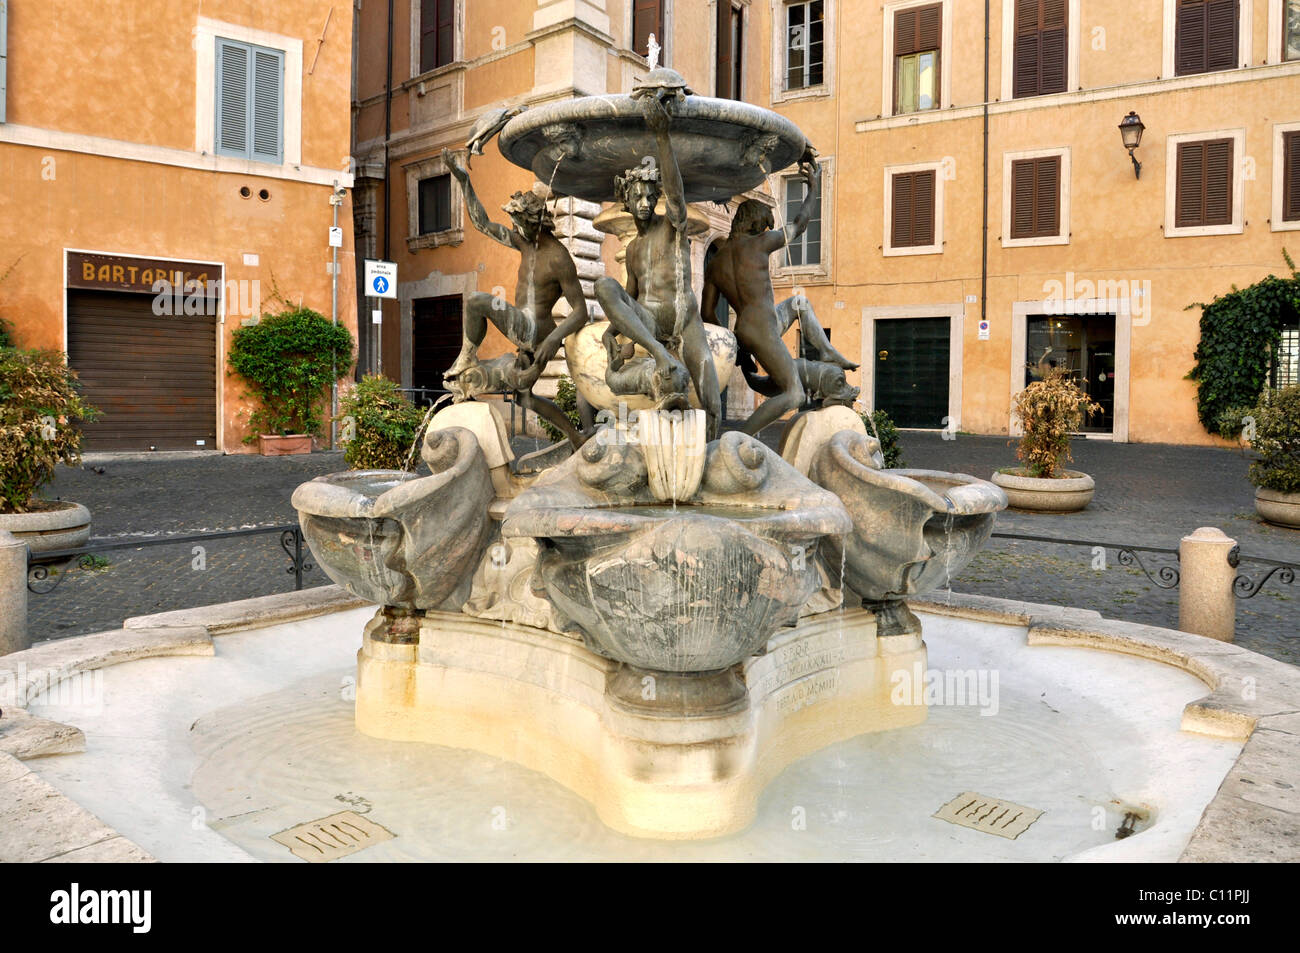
[
  {"x": 1085, "y": 346},
  {"x": 435, "y": 340},
  {"x": 911, "y": 364}
]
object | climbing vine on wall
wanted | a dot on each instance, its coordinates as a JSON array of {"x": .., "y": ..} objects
[{"x": 1240, "y": 332}]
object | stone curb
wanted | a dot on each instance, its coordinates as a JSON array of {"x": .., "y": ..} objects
[
  {"x": 1255, "y": 816},
  {"x": 246, "y": 613}
]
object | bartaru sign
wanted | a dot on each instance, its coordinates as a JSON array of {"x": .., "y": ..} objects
[
  {"x": 95, "y": 272},
  {"x": 381, "y": 278}
]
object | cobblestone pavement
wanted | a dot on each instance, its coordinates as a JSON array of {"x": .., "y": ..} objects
[{"x": 1147, "y": 494}]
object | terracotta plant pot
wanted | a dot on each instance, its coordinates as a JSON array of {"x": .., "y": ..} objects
[
  {"x": 64, "y": 526},
  {"x": 278, "y": 446},
  {"x": 1067, "y": 494},
  {"x": 1282, "y": 509}
]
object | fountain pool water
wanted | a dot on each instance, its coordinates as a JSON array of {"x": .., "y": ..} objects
[{"x": 203, "y": 759}]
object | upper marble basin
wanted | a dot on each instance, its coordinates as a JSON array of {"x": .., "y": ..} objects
[
  {"x": 400, "y": 539},
  {"x": 692, "y": 588},
  {"x": 723, "y": 146},
  {"x": 913, "y": 530}
]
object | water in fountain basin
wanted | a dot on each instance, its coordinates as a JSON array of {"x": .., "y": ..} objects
[{"x": 947, "y": 557}]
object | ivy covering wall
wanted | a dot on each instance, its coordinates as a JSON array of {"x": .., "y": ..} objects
[{"x": 1240, "y": 332}]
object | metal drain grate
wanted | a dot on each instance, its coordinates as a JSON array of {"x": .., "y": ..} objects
[
  {"x": 332, "y": 837},
  {"x": 988, "y": 814}
]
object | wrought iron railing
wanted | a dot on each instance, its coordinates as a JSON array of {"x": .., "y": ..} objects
[
  {"x": 41, "y": 567},
  {"x": 1168, "y": 577}
]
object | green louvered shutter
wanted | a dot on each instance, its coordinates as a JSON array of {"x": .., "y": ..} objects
[
  {"x": 268, "y": 100},
  {"x": 250, "y": 102}
]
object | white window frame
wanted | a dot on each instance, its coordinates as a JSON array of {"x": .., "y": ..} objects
[
  {"x": 936, "y": 248},
  {"x": 887, "y": 62},
  {"x": 827, "y": 86},
  {"x": 1237, "y": 225},
  {"x": 1063, "y": 211},
  {"x": 1275, "y": 218},
  {"x": 206, "y": 32},
  {"x": 427, "y": 168},
  {"x": 1276, "y": 22},
  {"x": 1074, "y": 32},
  {"x": 457, "y": 42},
  {"x": 819, "y": 273},
  {"x": 1244, "y": 38},
  {"x": 956, "y": 314}
]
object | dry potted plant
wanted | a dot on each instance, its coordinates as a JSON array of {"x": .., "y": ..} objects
[
  {"x": 1050, "y": 410},
  {"x": 40, "y": 410}
]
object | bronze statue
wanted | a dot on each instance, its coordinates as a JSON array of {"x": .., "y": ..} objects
[
  {"x": 546, "y": 274},
  {"x": 740, "y": 273},
  {"x": 658, "y": 310}
]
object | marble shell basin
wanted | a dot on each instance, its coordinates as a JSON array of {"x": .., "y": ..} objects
[
  {"x": 723, "y": 146},
  {"x": 397, "y": 538},
  {"x": 587, "y": 360},
  {"x": 693, "y": 588},
  {"x": 913, "y": 530}
]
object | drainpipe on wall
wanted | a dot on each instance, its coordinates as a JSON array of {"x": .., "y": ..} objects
[
  {"x": 388, "y": 132},
  {"x": 984, "y": 234}
]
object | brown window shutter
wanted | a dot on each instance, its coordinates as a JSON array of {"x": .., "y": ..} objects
[
  {"x": 1047, "y": 197},
  {"x": 901, "y": 209},
  {"x": 647, "y": 18},
  {"x": 1189, "y": 185},
  {"x": 1040, "y": 57},
  {"x": 1205, "y": 36},
  {"x": 923, "y": 208},
  {"x": 723, "y": 61},
  {"x": 1023, "y": 197},
  {"x": 1221, "y": 34},
  {"x": 1036, "y": 197},
  {"x": 1291, "y": 177},
  {"x": 446, "y": 31},
  {"x": 1218, "y": 182},
  {"x": 918, "y": 29}
]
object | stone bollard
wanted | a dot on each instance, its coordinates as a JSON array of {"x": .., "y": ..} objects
[
  {"x": 13, "y": 594},
  {"x": 1206, "y": 604}
]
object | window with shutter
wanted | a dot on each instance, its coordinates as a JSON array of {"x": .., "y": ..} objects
[
  {"x": 804, "y": 51},
  {"x": 912, "y": 209},
  {"x": 918, "y": 35},
  {"x": 1040, "y": 56},
  {"x": 647, "y": 18},
  {"x": 1036, "y": 197},
  {"x": 1291, "y": 176},
  {"x": 1203, "y": 184},
  {"x": 250, "y": 101},
  {"x": 1205, "y": 36},
  {"x": 1291, "y": 30},
  {"x": 807, "y": 248},
  {"x": 730, "y": 43},
  {"x": 437, "y": 33},
  {"x": 435, "y": 204}
]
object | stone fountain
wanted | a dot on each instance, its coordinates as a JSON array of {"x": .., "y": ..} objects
[{"x": 658, "y": 615}]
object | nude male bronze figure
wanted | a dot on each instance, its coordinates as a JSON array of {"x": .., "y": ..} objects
[
  {"x": 658, "y": 309},
  {"x": 740, "y": 273},
  {"x": 546, "y": 274}
]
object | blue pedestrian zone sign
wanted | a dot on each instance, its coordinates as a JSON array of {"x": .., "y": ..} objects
[{"x": 381, "y": 278}]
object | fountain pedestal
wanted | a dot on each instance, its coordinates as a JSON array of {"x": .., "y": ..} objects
[{"x": 546, "y": 702}]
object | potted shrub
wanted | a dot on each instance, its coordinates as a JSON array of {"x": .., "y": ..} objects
[
  {"x": 1276, "y": 474},
  {"x": 380, "y": 425},
  {"x": 289, "y": 360},
  {"x": 1049, "y": 410},
  {"x": 40, "y": 410}
]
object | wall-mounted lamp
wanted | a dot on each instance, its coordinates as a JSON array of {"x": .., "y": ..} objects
[{"x": 1130, "y": 130}]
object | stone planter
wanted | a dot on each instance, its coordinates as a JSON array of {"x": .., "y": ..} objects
[
  {"x": 1282, "y": 509},
  {"x": 67, "y": 527},
  {"x": 1067, "y": 494},
  {"x": 275, "y": 445}
]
